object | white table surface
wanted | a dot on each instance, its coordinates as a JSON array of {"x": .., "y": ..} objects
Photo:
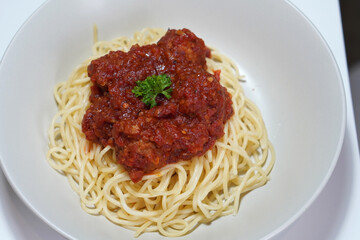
[{"x": 335, "y": 214}]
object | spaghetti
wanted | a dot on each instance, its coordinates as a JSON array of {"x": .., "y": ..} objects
[{"x": 178, "y": 197}]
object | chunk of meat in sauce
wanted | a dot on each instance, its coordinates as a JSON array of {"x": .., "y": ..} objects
[{"x": 179, "y": 128}]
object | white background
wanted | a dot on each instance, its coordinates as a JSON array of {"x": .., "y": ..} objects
[{"x": 335, "y": 214}]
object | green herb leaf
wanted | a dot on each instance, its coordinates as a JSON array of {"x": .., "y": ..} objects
[{"x": 151, "y": 87}]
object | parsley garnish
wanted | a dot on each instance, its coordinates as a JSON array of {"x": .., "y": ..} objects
[{"x": 151, "y": 87}]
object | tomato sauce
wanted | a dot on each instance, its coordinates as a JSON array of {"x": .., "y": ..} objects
[{"x": 179, "y": 128}]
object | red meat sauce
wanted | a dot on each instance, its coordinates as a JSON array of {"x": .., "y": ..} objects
[{"x": 179, "y": 128}]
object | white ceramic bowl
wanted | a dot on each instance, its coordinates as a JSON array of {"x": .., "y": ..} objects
[{"x": 290, "y": 74}]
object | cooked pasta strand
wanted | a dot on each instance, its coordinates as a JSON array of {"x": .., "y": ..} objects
[{"x": 180, "y": 196}]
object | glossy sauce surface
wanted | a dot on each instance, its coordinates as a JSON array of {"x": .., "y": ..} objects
[{"x": 179, "y": 128}]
